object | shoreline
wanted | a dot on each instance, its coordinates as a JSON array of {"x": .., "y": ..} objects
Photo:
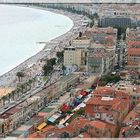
[{"x": 7, "y": 78}]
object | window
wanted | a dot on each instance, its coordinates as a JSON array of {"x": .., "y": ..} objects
[
  {"x": 95, "y": 108},
  {"x": 134, "y": 97},
  {"x": 97, "y": 132}
]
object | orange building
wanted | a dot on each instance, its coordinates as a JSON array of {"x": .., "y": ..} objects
[
  {"x": 108, "y": 105},
  {"x": 133, "y": 59},
  {"x": 131, "y": 124},
  {"x": 100, "y": 129}
]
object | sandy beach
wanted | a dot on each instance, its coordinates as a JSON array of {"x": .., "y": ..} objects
[{"x": 34, "y": 64}]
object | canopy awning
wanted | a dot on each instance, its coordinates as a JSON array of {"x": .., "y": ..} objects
[
  {"x": 51, "y": 119},
  {"x": 80, "y": 96},
  {"x": 83, "y": 93},
  {"x": 41, "y": 126},
  {"x": 88, "y": 90},
  {"x": 64, "y": 108},
  {"x": 56, "y": 116}
]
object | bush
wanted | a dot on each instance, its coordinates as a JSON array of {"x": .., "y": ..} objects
[{"x": 109, "y": 78}]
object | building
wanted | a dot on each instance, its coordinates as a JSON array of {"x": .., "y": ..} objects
[
  {"x": 76, "y": 54},
  {"x": 99, "y": 60},
  {"x": 115, "y": 21},
  {"x": 133, "y": 49},
  {"x": 94, "y": 52},
  {"x": 108, "y": 105},
  {"x": 133, "y": 59},
  {"x": 24, "y": 111},
  {"x": 131, "y": 124},
  {"x": 105, "y": 36},
  {"x": 67, "y": 82},
  {"x": 132, "y": 34},
  {"x": 69, "y": 56},
  {"x": 14, "y": 117},
  {"x": 110, "y": 92},
  {"x": 101, "y": 129},
  {"x": 79, "y": 128}
]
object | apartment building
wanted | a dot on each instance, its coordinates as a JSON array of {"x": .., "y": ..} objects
[
  {"x": 79, "y": 128},
  {"x": 133, "y": 59},
  {"x": 94, "y": 51},
  {"x": 99, "y": 60},
  {"x": 110, "y": 108},
  {"x": 131, "y": 124},
  {"x": 76, "y": 54},
  {"x": 24, "y": 111},
  {"x": 15, "y": 116},
  {"x": 105, "y": 36},
  {"x": 133, "y": 49},
  {"x": 101, "y": 129},
  {"x": 132, "y": 34}
]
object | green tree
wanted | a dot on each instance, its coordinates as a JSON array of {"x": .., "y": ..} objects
[
  {"x": 20, "y": 75},
  {"x": 81, "y": 111},
  {"x": 47, "y": 69},
  {"x": 95, "y": 15},
  {"x": 30, "y": 83},
  {"x": 60, "y": 54},
  {"x": 13, "y": 94},
  {"x": 18, "y": 91},
  {"x": 51, "y": 61},
  {"x": 4, "y": 100}
]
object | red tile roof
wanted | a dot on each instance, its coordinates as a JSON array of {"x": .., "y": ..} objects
[
  {"x": 100, "y": 101},
  {"x": 133, "y": 51},
  {"x": 42, "y": 133},
  {"x": 102, "y": 125},
  {"x": 120, "y": 105},
  {"x": 109, "y": 91},
  {"x": 75, "y": 125},
  {"x": 133, "y": 43},
  {"x": 104, "y": 91}
]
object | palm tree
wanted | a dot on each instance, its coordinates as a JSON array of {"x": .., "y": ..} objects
[
  {"x": 27, "y": 86},
  {"x": 22, "y": 87},
  {"x": 18, "y": 91},
  {"x": 20, "y": 75},
  {"x": 13, "y": 94},
  {"x": 30, "y": 83},
  {"x": 4, "y": 99}
]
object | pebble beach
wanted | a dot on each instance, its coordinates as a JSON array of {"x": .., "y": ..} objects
[{"x": 34, "y": 64}]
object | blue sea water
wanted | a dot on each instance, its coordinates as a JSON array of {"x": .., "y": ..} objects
[{"x": 20, "y": 30}]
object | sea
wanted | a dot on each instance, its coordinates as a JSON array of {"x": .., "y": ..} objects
[{"x": 21, "y": 30}]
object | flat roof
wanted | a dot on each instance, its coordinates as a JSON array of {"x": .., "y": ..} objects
[
  {"x": 47, "y": 109},
  {"x": 32, "y": 121},
  {"x": 68, "y": 77}
]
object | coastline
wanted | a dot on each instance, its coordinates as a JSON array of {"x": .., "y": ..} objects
[{"x": 10, "y": 76}]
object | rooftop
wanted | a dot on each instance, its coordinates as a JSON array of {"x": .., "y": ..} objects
[
  {"x": 97, "y": 53},
  {"x": 134, "y": 51},
  {"x": 43, "y": 132},
  {"x": 102, "y": 125},
  {"x": 100, "y": 101},
  {"x": 131, "y": 122},
  {"x": 69, "y": 77},
  {"x": 76, "y": 124},
  {"x": 134, "y": 43}
]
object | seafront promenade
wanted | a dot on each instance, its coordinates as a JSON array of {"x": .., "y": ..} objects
[{"x": 34, "y": 64}]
